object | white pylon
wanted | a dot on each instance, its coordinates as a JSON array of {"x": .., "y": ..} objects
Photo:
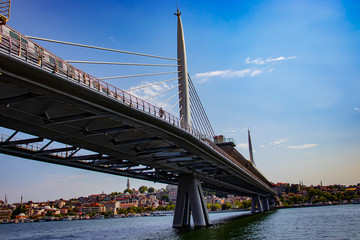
[{"x": 184, "y": 103}]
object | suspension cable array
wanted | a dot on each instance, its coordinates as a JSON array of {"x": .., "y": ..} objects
[
  {"x": 170, "y": 99},
  {"x": 126, "y": 64},
  {"x": 100, "y": 48},
  {"x": 138, "y": 75},
  {"x": 162, "y": 92},
  {"x": 176, "y": 104},
  {"x": 199, "y": 116},
  {"x": 152, "y": 84}
]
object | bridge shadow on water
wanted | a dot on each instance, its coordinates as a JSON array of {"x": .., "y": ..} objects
[{"x": 238, "y": 227}]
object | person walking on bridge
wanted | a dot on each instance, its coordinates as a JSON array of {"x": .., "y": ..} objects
[{"x": 161, "y": 112}]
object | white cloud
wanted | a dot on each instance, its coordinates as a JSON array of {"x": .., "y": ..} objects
[
  {"x": 259, "y": 61},
  {"x": 228, "y": 74},
  {"x": 231, "y": 130},
  {"x": 152, "y": 90},
  {"x": 212, "y": 74},
  {"x": 279, "y": 59},
  {"x": 262, "y": 146},
  {"x": 251, "y": 72},
  {"x": 112, "y": 39},
  {"x": 255, "y": 72},
  {"x": 357, "y": 109},
  {"x": 304, "y": 146},
  {"x": 243, "y": 146},
  {"x": 279, "y": 141}
]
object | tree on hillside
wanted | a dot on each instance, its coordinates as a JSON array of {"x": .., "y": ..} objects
[
  {"x": 151, "y": 190},
  {"x": 142, "y": 189},
  {"x": 122, "y": 211},
  {"x": 239, "y": 204},
  {"x": 19, "y": 209},
  {"x": 216, "y": 207},
  {"x": 246, "y": 203},
  {"x": 226, "y": 206},
  {"x": 128, "y": 190},
  {"x": 115, "y": 193},
  {"x": 165, "y": 198},
  {"x": 287, "y": 189}
]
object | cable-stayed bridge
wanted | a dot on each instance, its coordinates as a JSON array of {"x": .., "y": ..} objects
[{"x": 74, "y": 119}]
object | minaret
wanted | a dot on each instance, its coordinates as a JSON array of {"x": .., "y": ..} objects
[
  {"x": 6, "y": 200},
  {"x": 250, "y": 149},
  {"x": 128, "y": 184},
  {"x": 184, "y": 103}
]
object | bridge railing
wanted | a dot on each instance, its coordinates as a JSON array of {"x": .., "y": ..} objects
[
  {"x": 35, "y": 147},
  {"x": 49, "y": 62}
]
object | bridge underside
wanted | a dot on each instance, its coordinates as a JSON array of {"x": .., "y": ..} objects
[{"x": 103, "y": 134}]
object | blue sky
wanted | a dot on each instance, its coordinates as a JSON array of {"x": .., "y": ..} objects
[{"x": 288, "y": 70}]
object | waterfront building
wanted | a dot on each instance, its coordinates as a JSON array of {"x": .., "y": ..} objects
[
  {"x": 60, "y": 203},
  {"x": 5, "y": 215},
  {"x": 142, "y": 201},
  {"x": 94, "y": 198},
  {"x": 56, "y": 211},
  {"x": 127, "y": 205},
  {"x": 21, "y": 217},
  {"x": 63, "y": 211},
  {"x": 38, "y": 212},
  {"x": 113, "y": 206},
  {"x": 170, "y": 188},
  {"x": 172, "y": 196},
  {"x": 123, "y": 200},
  {"x": 94, "y": 207}
]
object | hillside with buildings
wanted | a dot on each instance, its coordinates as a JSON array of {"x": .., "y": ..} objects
[{"x": 147, "y": 201}]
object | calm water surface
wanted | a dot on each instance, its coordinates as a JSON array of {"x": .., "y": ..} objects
[{"x": 329, "y": 222}]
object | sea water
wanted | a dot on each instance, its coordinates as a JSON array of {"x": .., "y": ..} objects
[{"x": 327, "y": 222}]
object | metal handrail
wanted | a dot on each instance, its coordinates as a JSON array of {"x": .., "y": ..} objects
[{"x": 225, "y": 140}]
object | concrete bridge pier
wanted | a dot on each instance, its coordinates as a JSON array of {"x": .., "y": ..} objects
[
  {"x": 259, "y": 203},
  {"x": 265, "y": 203},
  {"x": 256, "y": 203},
  {"x": 190, "y": 201}
]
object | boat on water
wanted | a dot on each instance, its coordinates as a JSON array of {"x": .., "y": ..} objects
[
  {"x": 98, "y": 216},
  {"x": 68, "y": 218},
  {"x": 356, "y": 201}
]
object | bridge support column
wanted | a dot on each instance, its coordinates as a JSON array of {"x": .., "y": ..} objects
[
  {"x": 190, "y": 201},
  {"x": 256, "y": 201},
  {"x": 265, "y": 203}
]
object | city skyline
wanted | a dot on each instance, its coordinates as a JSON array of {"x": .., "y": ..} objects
[{"x": 285, "y": 70}]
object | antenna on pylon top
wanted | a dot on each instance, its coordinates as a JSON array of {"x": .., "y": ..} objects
[
  {"x": 4, "y": 11},
  {"x": 178, "y": 13}
]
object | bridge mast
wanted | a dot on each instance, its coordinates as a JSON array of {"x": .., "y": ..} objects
[
  {"x": 184, "y": 103},
  {"x": 250, "y": 149},
  {"x": 190, "y": 197}
]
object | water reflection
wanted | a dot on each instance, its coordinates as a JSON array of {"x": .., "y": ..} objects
[{"x": 239, "y": 227}]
